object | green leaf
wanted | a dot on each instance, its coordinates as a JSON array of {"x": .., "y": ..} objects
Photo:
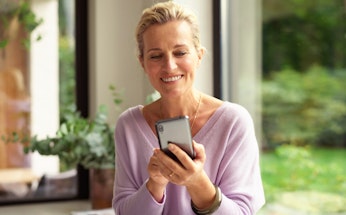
[{"x": 3, "y": 43}]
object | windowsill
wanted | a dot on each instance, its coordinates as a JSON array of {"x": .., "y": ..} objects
[{"x": 51, "y": 208}]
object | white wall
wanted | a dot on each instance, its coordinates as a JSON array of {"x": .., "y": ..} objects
[
  {"x": 203, "y": 10},
  {"x": 113, "y": 51}
]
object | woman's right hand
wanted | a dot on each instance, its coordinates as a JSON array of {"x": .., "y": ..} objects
[{"x": 157, "y": 182}]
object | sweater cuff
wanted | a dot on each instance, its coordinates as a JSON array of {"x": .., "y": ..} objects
[{"x": 147, "y": 195}]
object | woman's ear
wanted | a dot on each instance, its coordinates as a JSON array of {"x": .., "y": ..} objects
[{"x": 200, "y": 55}]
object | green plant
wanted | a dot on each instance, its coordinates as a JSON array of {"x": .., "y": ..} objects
[
  {"x": 78, "y": 140},
  {"x": 67, "y": 80},
  {"x": 304, "y": 108},
  {"x": 299, "y": 34},
  {"x": 26, "y": 17}
]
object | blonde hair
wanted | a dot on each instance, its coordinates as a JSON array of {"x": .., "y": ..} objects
[{"x": 162, "y": 13}]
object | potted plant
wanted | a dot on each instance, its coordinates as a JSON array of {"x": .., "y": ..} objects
[
  {"x": 85, "y": 142},
  {"x": 78, "y": 140}
]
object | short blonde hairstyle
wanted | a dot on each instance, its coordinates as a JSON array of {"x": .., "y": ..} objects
[{"x": 162, "y": 13}]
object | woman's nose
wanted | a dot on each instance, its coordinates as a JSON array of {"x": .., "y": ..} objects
[{"x": 169, "y": 63}]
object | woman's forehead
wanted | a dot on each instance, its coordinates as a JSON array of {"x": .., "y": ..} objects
[{"x": 174, "y": 32}]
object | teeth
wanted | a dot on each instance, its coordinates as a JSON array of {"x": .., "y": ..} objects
[{"x": 175, "y": 78}]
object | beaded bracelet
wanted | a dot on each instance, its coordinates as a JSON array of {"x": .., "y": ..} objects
[{"x": 213, "y": 207}]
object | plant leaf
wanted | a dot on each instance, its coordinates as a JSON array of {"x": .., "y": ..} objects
[{"x": 3, "y": 43}]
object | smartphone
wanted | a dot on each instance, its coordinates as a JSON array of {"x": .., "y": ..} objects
[{"x": 177, "y": 131}]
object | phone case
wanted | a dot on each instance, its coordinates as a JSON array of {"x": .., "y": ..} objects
[{"x": 175, "y": 130}]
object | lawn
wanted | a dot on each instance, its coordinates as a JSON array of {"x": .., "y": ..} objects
[{"x": 291, "y": 168}]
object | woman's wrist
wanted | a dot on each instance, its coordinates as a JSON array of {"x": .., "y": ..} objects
[
  {"x": 155, "y": 190},
  {"x": 213, "y": 207}
]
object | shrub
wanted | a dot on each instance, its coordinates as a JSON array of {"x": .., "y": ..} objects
[{"x": 305, "y": 108}]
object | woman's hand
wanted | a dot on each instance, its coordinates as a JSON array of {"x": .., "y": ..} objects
[
  {"x": 185, "y": 174},
  {"x": 157, "y": 182},
  {"x": 189, "y": 174}
]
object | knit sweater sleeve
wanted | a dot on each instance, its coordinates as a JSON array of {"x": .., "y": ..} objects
[
  {"x": 234, "y": 164},
  {"x": 130, "y": 193}
]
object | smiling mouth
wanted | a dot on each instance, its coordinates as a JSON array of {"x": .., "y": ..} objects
[{"x": 171, "y": 79}]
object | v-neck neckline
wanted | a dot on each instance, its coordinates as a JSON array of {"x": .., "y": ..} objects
[{"x": 146, "y": 129}]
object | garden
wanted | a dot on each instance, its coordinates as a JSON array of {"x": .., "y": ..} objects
[
  {"x": 303, "y": 159},
  {"x": 310, "y": 180}
]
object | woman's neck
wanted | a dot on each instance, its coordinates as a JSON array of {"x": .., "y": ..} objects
[{"x": 184, "y": 105}]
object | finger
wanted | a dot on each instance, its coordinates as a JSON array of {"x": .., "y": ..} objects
[
  {"x": 154, "y": 158},
  {"x": 170, "y": 168},
  {"x": 182, "y": 156},
  {"x": 199, "y": 151},
  {"x": 164, "y": 163},
  {"x": 155, "y": 161}
]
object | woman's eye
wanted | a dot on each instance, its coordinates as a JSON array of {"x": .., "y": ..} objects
[
  {"x": 180, "y": 53},
  {"x": 155, "y": 56}
]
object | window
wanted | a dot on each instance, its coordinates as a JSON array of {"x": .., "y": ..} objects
[
  {"x": 293, "y": 53},
  {"x": 304, "y": 104},
  {"x": 31, "y": 94}
]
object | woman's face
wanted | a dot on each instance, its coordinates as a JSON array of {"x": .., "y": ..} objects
[{"x": 170, "y": 58}]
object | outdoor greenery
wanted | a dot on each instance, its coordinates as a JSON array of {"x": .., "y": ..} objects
[
  {"x": 292, "y": 168},
  {"x": 67, "y": 82},
  {"x": 303, "y": 108},
  {"x": 304, "y": 103},
  {"x": 304, "y": 75},
  {"x": 298, "y": 34}
]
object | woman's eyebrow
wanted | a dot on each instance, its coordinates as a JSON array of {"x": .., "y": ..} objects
[
  {"x": 158, "y": 49},
  {"x": 153, "y": 49}
]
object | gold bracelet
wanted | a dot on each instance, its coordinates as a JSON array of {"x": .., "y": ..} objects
[{"x": 213, "y": 207}]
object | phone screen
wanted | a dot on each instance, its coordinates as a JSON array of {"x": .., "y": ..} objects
[{"x": 175, "y": 130}]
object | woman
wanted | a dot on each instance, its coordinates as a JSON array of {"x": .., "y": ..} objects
[{"x": 224, "y": 177}]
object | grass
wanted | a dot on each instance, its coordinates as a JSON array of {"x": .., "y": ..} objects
[{"x": 290, "y": 168}]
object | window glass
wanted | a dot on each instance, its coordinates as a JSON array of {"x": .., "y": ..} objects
[
  {"x": 304, "y": 105},
  {"x": 31, "y": 74},
  {"x": 302, "y": 48}
]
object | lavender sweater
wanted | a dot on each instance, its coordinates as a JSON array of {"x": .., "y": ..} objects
[{"x": 232, "y": 163}]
